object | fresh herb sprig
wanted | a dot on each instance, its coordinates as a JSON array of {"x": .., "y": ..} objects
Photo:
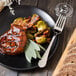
[{"x": 32, "y": 50}]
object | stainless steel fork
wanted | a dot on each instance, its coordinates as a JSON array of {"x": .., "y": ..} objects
[{"x": 58, "y": 28}]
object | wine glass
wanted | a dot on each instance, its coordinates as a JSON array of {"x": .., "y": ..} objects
[{"x": 64, "y": 9}]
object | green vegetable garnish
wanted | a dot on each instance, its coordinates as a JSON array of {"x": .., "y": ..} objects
[
  {"x": 32, "y": 50},
  {"x": 42, "y": 39},
  {"x": 38, "y": 54}
]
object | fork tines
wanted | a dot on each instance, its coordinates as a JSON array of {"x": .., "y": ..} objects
[{"x": 60, "y": 23}]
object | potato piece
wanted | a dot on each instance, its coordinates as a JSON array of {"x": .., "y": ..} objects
[
  {"x": 42, "y": 39},
  {"x": 41, "y": 25}
]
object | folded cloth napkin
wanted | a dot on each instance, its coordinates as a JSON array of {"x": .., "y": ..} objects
[
  {"x": 2, "y": 3},
  {"x": 8, "y": 3}
]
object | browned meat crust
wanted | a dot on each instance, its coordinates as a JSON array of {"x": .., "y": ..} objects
[{"x": 13, "y": 41}]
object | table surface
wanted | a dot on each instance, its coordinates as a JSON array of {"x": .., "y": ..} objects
[{"x": 48, "y": 6}]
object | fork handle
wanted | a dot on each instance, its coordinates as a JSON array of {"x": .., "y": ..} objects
[{"x": 42, "y": 63}]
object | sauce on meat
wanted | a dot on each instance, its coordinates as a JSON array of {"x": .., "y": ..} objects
[{"x": 10, "y": 42}]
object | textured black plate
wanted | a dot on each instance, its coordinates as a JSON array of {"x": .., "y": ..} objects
[{"x": 18, "y": 62}]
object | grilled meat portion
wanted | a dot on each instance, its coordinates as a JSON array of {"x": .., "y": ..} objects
[{"x": 13, "y": 41}]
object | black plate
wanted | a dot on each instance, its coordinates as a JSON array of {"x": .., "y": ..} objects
[{"x": 18, "y": 62}]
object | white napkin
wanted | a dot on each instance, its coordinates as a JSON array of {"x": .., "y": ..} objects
[
  {"x": 2, "y": 3},
  {"x": 8, "y": 3}
]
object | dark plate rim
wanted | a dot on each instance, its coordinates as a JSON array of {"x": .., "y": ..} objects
[{"x": 34, "y": 67}]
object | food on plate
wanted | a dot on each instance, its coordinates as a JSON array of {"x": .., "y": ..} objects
[
  {"x": 35, "y": 52},
  {"x": 26, "y": 22},
  {"x": 13, "y": 41},
  {"x": 41, "y": 25},
  {"x": 36, "y": 28},
  {"x": 25, "y": 35},
  {"x": 41, "y": 39},
  {"x": 18, "y": 21}
]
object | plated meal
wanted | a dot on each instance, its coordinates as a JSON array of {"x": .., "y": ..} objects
[
  {"x": 34, "y": 39},
  {"x": 25, "y": 35}
]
